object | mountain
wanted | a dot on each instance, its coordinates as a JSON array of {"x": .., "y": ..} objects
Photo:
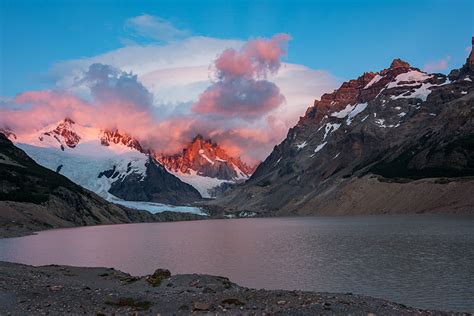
[
  {"x": 109, "y": 163},
  {"x": 34, "y": 198},
  {"x": 206, "y": 166},
  {"x": 395, "y": 141}
]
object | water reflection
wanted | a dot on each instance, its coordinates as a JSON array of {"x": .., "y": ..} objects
[{"x": 423, "y": 261}]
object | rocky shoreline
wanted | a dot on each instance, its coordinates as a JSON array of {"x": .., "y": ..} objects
[{"x": 58, "y": 289}]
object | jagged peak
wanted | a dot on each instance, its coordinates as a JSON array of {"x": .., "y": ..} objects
[
  {"x": 7, "y": 133},
  {"x": 118, "y": 137},
  {"x": 65, "y": 129},
  {"x": 207, "y": 158},
  {"x": 398, "y": 63},
  {"x": 361, "y": 90}
]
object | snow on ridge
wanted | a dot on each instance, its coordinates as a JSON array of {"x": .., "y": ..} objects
[
  {"x": 344, "y": 112},
  {"x": 360, "y": 107},
  {"x": 302, "y": 145},
  {"x": 373, "y": 81},
  {"x": 350, "y": 111},
  {"x": 203, "y": 155},
  {"x": 330, "y": 128},
  {"x": 405, "y": 79},
  {"x": 201, "y": 183}
]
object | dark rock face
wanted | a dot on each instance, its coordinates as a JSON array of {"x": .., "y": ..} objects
[
  {"x": 207, "y": 159},
  {"x": 41, "y": 198},
  {"x": 399, "y": 124},
  {"x": 157, "y": 186}
]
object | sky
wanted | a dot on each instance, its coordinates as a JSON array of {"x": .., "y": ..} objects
[{"x": 170, "y": 62}]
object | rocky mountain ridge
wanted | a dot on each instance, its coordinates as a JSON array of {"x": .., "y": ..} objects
[
  {"x": 207, "y": 159},
  {"x": 110, "y": 163},
  {"x": 207, "y": 167},
  {"x": 394, "y": 132}
]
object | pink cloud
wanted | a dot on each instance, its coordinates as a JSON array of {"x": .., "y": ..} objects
[
  {"x": 240, "y": 90},
  {"x": 237, "y": 111},
  {"x": 439, "y": 65}
]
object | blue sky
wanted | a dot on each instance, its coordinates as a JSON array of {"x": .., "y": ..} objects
[{"x": 344, "y": 38}]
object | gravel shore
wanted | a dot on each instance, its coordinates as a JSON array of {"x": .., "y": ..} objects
[{"x": 63, "y": 289}]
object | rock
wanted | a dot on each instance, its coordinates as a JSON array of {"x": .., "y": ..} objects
[
  {"x": 281, "y": 302},
  {"x": 158, "y": 276},
  {"x": 208, "y": 159},
  {"x": 198, "y": 306},
  {"x": 208, "y": 290},
  {"x": 232, "y": 301},
  {"x": 56, "y": 288},
  {"x": 194, "y": 283}
]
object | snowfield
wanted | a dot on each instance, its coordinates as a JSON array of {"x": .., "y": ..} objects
[{"x": 158, "y": 207}]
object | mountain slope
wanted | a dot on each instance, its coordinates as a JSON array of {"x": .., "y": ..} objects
[
  {"x": 396, "y": 141},
  {"x": 34, "y": 198},
  {"x": 206, "y": 166},
  {"x": 110, "y": 163}
]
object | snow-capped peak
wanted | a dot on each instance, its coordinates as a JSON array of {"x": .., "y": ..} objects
[{"x": 206, "y": 158}]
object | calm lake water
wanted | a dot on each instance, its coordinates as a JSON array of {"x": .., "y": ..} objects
[{"x": 422, "y": 261}]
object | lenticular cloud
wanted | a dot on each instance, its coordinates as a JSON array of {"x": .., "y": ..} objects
[{"x": 241, "y": 89}]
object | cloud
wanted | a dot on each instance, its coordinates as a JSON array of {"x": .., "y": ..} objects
[
  {"x": 153, "y": 27},
  {"x": 149, "y": 91},
  {"x": 440, "y": 65},
  {"x": 169, "y": 71},
  {"x": 239, "y": 91},
  {"x": 110, "y": 85}
]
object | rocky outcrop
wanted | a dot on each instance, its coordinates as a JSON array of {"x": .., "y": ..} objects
[
  {"x": 208, "y": 159},
  {"x": 402, "y": 126},
  {"x": 116, "y": 137},
  {"x": 157, "y": 185}
]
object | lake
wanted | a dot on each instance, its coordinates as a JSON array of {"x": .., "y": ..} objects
[{"x": 421, "y": 261}]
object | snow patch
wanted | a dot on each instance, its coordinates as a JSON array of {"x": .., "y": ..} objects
[
  {"x": 205, "y": 157},
  {"x": 344, "y": 112},
  {"x": 350, "y": 111},
  {"x": 318, "y": 148},
  {"x": 408, "y": 79},
  {"x": 330, "y": 128},
  {"x": 200, "y": 183},
  {"x": 276, "y": 163},
  {"x": 302, "y": 145},
  {"x": 358, "y": 109}
]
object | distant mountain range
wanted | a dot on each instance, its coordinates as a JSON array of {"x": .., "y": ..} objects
[
  {"x": 116, "y": 166},
  {"x": 109, "y": 163},
  {"x": 396, "y": 141},
  {"x": 34, "y": 198}
]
